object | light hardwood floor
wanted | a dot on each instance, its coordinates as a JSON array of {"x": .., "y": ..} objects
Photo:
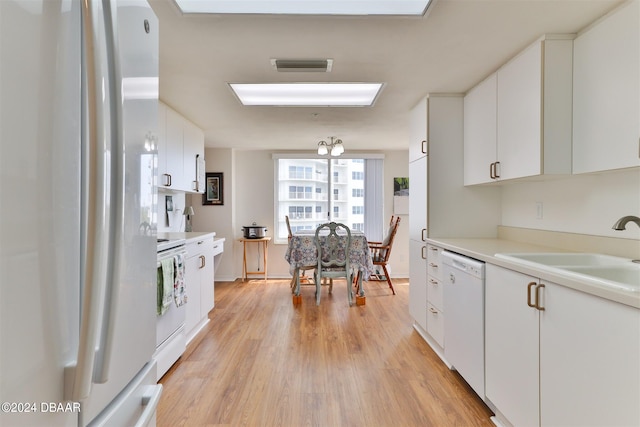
[{"x": 263, "y": 362}]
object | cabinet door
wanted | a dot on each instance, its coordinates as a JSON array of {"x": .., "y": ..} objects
[
  {"x": 418, "y": 282},
  {"x": 206, "y": 291},
  {"x": 589, "y": 360},
  {"x": 192, "y": 282},
  {"x": 173, "y": 155},
  {"x": 193, "y": 146},
  {"x": 418, "y": 131},
  {"x": 162, "y": 178},
  {"x": 480, "y": 106},
  {"x": 519, "y": 115},
  {"x": 418, "y": 199},
  {"x": 606, "y": 90},
  {"x": 511, "y": 346}
]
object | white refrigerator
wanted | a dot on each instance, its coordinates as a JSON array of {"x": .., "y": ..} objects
[{"x": 78, "y": 124}]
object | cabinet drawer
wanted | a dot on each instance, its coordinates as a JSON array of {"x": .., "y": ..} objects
[
  {"x": 433, "y": 253},
  {"x": 434, "y": 269},
  {"x": 434, "y": 292},
  {"x": 435, "y": 324},
  {"x": 434, "y": 263},
  {"x": 218, "y": 247},
  {"x": 197, "y": 246}
]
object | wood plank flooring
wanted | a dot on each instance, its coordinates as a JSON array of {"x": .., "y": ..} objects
[{"x": 263, "y": 362}]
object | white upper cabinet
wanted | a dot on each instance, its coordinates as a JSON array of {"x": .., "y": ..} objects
[
  {"x": 180, "y": 143},
  {"x": 418, "y": 131},
  {"x": 480, "y": 131},
  {"x": 606, "y": 93},
  {"x": 170, "y": 164},
  {"x": 530, "y": 112},
  {"x": 193, "y": 150}
]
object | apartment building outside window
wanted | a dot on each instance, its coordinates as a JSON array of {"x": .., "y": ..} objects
[{"x": 316, "y": 190}]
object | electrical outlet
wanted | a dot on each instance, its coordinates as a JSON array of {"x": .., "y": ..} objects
[{"x": 539, "y": 212}]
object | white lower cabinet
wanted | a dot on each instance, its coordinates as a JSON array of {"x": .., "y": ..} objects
[
  {"x": 418, "y": 282},
  {"x": 511, "y": 347},
  {"x": 199, "y": 283},
  {"x": 435, "y": 301},
  {"x": 589, "y": 361},
  {"x": 559, "y": 357}
]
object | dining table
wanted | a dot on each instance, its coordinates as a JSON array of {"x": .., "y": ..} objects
[{"x": 302, "y": 252}]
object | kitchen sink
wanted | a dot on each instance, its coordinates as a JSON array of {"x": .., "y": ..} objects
[
  {"x": 605, "y": 270},
  {"x": 622, "y": 276}
]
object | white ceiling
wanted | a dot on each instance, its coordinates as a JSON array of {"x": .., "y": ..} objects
[{"x": 456, "y": 45}]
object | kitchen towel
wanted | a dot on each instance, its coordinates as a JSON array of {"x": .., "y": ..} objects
[
  {"x": 179, "y": 289},
  {"x": 165, "y": 285}
]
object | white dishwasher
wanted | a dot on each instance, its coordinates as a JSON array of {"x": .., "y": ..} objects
[{"x": 463, "y": 280}]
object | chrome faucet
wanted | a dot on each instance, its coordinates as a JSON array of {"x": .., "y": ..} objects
[{"x": 622, "y": 222}]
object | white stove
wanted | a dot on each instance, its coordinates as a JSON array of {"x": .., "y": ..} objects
[{"x": 170, "y": 335}]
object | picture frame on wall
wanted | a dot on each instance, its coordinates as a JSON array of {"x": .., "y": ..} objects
[{"x": 214, "y": 194}]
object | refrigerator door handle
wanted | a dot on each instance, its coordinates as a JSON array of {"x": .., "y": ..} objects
[
  {"x": 97, "y": 218},
  {"x": 112, "y": 127}
]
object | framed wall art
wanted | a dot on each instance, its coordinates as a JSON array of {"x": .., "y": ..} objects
[{"x": 213, "y": 194}]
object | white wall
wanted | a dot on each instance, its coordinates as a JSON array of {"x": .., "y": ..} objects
[
  {"x": 249, "y": 197},
  {"x": 219, "y": 218},
  {"x": 585, "y": 204}
]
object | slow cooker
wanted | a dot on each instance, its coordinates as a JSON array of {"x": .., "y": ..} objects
[{"x": 254, "y": 231}]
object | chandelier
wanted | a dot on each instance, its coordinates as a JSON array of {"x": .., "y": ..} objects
[{"x": 335, "y": 147}]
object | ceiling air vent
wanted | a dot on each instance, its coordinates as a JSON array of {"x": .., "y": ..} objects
[{"x": 302, "y": 65}]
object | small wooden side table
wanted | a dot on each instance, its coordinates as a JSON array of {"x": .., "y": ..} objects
[{"x": 265, "y": 242}]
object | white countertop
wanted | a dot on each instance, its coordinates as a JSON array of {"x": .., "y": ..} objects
[
  {"x": 190, "y": 235},
  {"x": 485, "y": 250}
]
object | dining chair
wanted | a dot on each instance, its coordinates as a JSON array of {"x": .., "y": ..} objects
[
  {"x": 304, "y": 279},
  {"x": 381, "y": 251},
  {"x": 333, "y": 257}
]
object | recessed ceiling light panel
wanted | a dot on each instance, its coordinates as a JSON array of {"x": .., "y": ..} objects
[
  {"x": 306, "y": 7},
  {"x": 307, "y": 94}
]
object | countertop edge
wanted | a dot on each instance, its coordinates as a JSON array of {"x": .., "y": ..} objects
[
  {"x": 485, "y": 250},
  {"x": 187, "y": 235}
]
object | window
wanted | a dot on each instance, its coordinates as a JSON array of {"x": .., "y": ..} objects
[
  {"x": 314, "y": 190},
  {"x": 299, "y": 172}
]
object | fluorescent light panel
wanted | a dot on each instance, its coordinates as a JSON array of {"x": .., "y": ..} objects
[
  {"x": 307, "y": 94},
  {"x": 306, "y": 7}
]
